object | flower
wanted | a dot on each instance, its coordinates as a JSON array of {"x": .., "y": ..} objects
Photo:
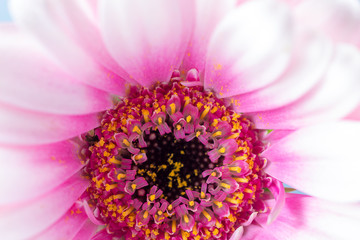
[{"x": 150, "y": 120}]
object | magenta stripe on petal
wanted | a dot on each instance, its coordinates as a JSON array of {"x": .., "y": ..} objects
[
  {"x": 28, "y": 172},
  {"x": 28, "y": 219}
]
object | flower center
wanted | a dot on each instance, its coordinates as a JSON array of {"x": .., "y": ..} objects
[{"x": 174, "y": 161}]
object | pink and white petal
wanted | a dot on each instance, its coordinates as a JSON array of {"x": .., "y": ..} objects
[
  {"x": 355, "y": 114},
  {"x": 66, "y": 227},
  {"x": 86, "y": 232},
  {"x": 321, "y": 160},
  {"x": 68, "y": 29},
  {"x": 208, "y": 15},
  {"x": 249, "y": 48},
  {"x": 21, "y": 126},
  {"x": 335, "y": 96},
  {"x": 237, "y": 234},
  {"x": 147, "y": 38},
  {"x": 304, "y": 217},
  {"x": 29, "y": 78},
  {"x": 28, "y": 172},
  {"x": 311, "y": 58},
  {"x": 21, "y": 221},
  {"x": 339, "y": 19}
]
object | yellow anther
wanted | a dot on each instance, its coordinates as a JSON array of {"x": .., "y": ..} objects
[
  {"x": 198, "y": 133},
  {"x": 121, "y": 176},
  {"x": 138, "y": 157},
  {"x": 108, "y": 187},
  {"x": 186, "y": 218},
  {"x": 173, "y": 226},
  {"x": 218, "y": 204},
  {"x": 206, "y": 215},
  {"x": 170, "y": 207},
  {"x": 159, "y": 212},
  {"x": 215, "y": 123},
  {"x": 115, "y": 161},
  {"x": 222, "y": 150},
  {"x": 231, "y": 200},
  {"x": 160, "y": 120},
  {"x": 191, "y": 203},
  {"x": 195, "y": 231},
  {"x": 233, "y": 136},
  {"x": 225, "y": 185},
  {"x": 146, "y": 214},
  {"x": 119, "y": 196},
  {"x": 216, "y": 134},
  {"x": 136, "y": 129},
  {"x": 188, "y": 118},
  {"x": 126, "y": 142},
  {"x": 187, "y": 100},
  {"x": 235, "y": 169},
  {"x": 202, "y": 195},
  {"x": 128, "y": 211},
  {"x": 205, "y": 112},
  {"x": 145, "y": 114},
  {"x": 214, "y": 109},
  {"x": 133, "y": 186},
  {"x": 152, "y": 197},
  {"x": 248, "y": 190},
  {"x": 178, "y": 127},
  {"x": 216, "y": 232},
  {"x": 213, "y": 174},
  {"x": 173, "y": 108},
  {"x": 242, "y": 180}
]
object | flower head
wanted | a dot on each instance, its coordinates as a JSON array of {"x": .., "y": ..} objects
[{"x": 179, "y": 120}]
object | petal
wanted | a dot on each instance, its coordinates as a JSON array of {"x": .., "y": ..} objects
[
  {"x": 29, "y": 78},
  {"x": 148, "y": 39},
  {"x": 66, "y": 227},
  {"x": 28, "y": 172},
  {"x": 86, "y": 233},
  {"x": 237, "y": 234},
  {"x": 25, "y": 220},
  {"x": 249, "y": 49},
  {"x": 304, "y": 217},
  {"x": 336, "y": 95},
  {"x": 339, "y": 19},
  {"x": 68, "y": 29},
  {"x": 354, "y": 115},
  {"x": 208, "y": 15},
  {"x": 308, "y": 64},
  {"x": 321, "y": 160},
  {"x": 20, "y": 126}
]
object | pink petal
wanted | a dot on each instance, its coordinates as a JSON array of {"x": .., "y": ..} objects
[
  {"x": 310, "y": 60},
  {"x": 28, "y": 172},
  {"x": 336, "y": 95},
  {"x": 249, "y": 49},
  {"x": 30, "y": 218},
  {"x": 69, "y": 30},
  {"x": 20, "y": 126},
  {"x": 148, "y": 39},
  {"x": 29, "y": 78},
  {"x": 66, "y": 227},
  {"x": 339, "y": 19},
  {"x": 86, "y": 232},
  {"x": 237, "y": 234},
  {"x": 208, "y": 15},
  {"x": 320, "y": 160},
  {"x": 305, "y": 217},
  {"x": 355, "y": 114}
]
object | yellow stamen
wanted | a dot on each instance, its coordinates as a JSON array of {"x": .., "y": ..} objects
[
  {"x": 186, "y": 218},
  {"x": 202, "y": 195},
  {"x": 178, "y": 127},
  {"x": 235, "y": 169},
  {"x": 128, "y": 211},
  {"x": 205, "y": 112},
  {"x": 133, "y": 186},
  {"x": 222, "y": 150},
  {"x": 108, "y": 187},
  {"x": 218, "y": 204},
  {"x": 121, "y": 176},
  {"x": 191, "y": 203},
  {"x": 206, "y": 215},
  {"x": 173, "y": 226},
  {"x": 225, "y": 185},
  {"x": 138, "y": 157},
  {"x": 136, "y": 129},
  {"x": 242, "y": 180},
  {"x": 188, "y": 118},
  {"x": 172, "y": 106},
  {"x": 146, "y": 214},
  {"x": 113, "y": 160},
  {"x": 233, "y": 136},
  {"x": 119, "y": 196},
  {"x": 146, "y": 114},
  {"x": 152, "y": 197},
  {"x": 126, "y": 142},
  {"x": 216, "y": 134},
  {"x": 160, "y": 121},
  {"x": 198, "y": 133}
]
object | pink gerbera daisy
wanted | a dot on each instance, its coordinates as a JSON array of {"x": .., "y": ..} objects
[{"x": 180, "y": 119}]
